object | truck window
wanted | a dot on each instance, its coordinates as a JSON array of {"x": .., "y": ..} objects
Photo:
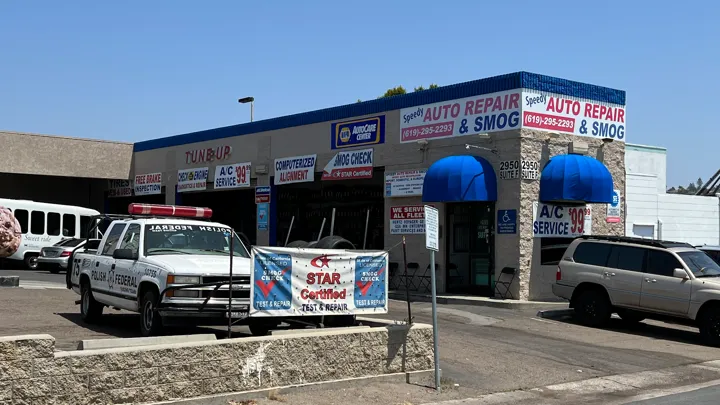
[
  {"x": 53, "y": 224},
  {"x": 112, "y": 239},
  {"x": 131, "y": 240},
  {"x": 37, "y": 223},
  {"x": 627, "y": 258},
  {"x": 68, "y": 225},
  {"x": 22, "y": 217},
  {"x": 592, "y": 253}
]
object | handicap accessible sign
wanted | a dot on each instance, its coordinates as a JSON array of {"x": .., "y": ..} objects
[
  {"x": 262, "y": 216},
  {"x": 507, "y": 222}
]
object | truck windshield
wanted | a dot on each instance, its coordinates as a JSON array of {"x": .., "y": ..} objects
[
  {"x": 169, "y": 239},
  {"x": 700, "y": 264}
]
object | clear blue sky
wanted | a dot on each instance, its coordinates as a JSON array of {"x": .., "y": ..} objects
[{"x": 136, "y": 70}]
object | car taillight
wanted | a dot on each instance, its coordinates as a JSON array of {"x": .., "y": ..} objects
[
  {"x": 558, "y": 274},
  {"x": 65, "y": 253}
]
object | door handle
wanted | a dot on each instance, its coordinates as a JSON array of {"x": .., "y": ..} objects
[
  {"x": 608, "y": 274},
  {"x": 649, "y": 280},
  {"x": 112, "y": 267},
  {"x": 97, "y": 264}
]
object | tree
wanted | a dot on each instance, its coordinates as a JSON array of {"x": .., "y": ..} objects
[
  {"x": 699, "y": 183},
  {"x": 691, "y": 188},
  {"x": 395, "y": 91},
  {"x": 672, "y": 190},
  {"x": 421, "y": 88}
]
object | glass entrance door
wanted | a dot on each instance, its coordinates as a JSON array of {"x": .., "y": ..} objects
[{"x": 470, "y": 241}]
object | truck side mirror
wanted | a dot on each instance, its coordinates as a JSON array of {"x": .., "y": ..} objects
[
  {"x": 680, "y": 273},
  {"x": 126, "y": 254}
]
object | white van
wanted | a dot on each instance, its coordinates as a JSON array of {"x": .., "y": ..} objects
[{"x": 45, "y": 224}]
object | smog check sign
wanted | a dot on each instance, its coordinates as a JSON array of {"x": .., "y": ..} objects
[{"x": 356, "y": 164}]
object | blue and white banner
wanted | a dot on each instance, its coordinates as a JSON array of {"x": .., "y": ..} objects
[{"x": 297, "y": 282}]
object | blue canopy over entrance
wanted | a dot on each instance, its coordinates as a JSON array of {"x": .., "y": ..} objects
[
  {"x": 575, "y": 178},
  {"x": 460, "y": 178}
]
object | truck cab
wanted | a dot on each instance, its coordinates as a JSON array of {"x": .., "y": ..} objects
[{"x": 168, "y": 263}]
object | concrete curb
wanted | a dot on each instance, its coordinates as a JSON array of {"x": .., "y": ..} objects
[
  {"x": 350, "y": 382},
  {"x": 95, "y": 344},
  {"x": 9, "y": 281},
  {"x": 479, "y": 301}
]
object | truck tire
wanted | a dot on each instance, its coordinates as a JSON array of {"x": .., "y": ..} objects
[
  {"x": 593, "y": 308},
  {"x": 90, "y": 310},
  {"x": 150, "y": 321},
  {"x": 297, "y": 244},
  {"x": 31, "y": 261},
  {"x": 709, "y": 323},
  {"x": 312, "y": 245},
  {"x": 334, "y": 242}
]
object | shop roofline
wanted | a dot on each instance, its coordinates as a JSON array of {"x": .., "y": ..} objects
[
  {"x": 511, "y": 81},
  {"x": 64, "y": 137}
]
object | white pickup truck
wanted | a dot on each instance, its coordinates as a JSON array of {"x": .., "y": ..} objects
[{"x": 171, "y": 270}]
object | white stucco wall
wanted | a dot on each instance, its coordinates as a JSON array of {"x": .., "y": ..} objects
[{"x": 651, "y": 212}]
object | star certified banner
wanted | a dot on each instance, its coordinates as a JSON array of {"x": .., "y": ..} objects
[{"x": 297, "y": 282}]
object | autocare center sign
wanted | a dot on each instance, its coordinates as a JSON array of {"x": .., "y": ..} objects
[
  {"x": 366, "y": 131},
  {"x": 553, "y": 112},
  {"x": 148, "y": 184},
  {"x": 297, "y": 282},
  {"x": 192, "y": 179},
  {"x": 481, "y": 114},
  {"x": 354, "y": 164},
  {"x": 298, "y": 169}
]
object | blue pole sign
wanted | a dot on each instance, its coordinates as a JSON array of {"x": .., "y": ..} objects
[
  {"x": 263, "y": 211},
  {"x": 507, "y": 222}
]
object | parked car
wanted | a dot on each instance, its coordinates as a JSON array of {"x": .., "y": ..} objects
[
  {"x": 55, "y": 258},
  {"x": 640, "y": 278},
  {"x": 712, "y": 251}
]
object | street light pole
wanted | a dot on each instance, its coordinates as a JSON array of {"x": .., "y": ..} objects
[{"x": 250, "y": 100}]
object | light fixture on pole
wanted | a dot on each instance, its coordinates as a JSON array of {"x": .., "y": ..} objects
[
  {"x": 468, "y": 146},
  {"x": 250, "y": 100}
]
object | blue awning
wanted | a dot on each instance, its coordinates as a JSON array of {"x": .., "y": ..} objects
[
  {"x": 460, "y": 178},
  {"x": 576, "y": 178}
]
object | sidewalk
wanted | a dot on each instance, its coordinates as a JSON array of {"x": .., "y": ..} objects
[{"x": 457, "y": 299}]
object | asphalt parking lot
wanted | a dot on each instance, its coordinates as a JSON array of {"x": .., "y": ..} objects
[{"x": 482, "y": 350}]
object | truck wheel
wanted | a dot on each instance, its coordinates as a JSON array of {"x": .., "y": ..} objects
[
  {"x": 31, "y": 261},
  {"x": 709, "y": 323},
  {"x": 593, "y": 308},
  {"x": 150, "y": 321},
  {"x": 90, "y": 310},
  {"x": 297, "y": 244}
]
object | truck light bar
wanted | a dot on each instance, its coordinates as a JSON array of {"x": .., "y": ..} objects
[{"x": 169, "y": 210}]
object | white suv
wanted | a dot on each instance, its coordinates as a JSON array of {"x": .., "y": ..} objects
[{"x": 640, "y": 278}]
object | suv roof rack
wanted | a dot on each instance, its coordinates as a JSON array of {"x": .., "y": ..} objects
[{"x": 665, "y": 244}]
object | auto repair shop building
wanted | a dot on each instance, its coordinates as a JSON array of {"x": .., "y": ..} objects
[{"x": 517, "y": 165}]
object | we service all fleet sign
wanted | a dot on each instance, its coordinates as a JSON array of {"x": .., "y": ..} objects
[
  {"x": 297, "y": 169},
  {"x": 366, "y": 131},
  {"x": 353, "y": 164},
  {"x": 291, "y": 281}
]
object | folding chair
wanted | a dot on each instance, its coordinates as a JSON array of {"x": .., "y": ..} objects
[
  {"x": 425, "y": 280},
  {"x": 394, "y": 283},
  {"x": 454, "y": 276},
  {"x": 508, "y": 272},
  {"x": 409, "y": 278}
]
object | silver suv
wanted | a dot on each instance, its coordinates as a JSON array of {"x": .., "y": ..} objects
[{"x": 640, "y": 278}]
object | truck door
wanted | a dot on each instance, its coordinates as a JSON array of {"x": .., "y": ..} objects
[
  {"x": 126, "y": 278},
  {"x": 102, "y": 270}
]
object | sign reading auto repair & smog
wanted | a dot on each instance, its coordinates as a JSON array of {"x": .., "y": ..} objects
[
  {"x": 346, "y": 165},
  {"x": 297, "y": 169},
  {"x": 147, "y": 184},
  {"x": 291, "y": 281},
  {"x": 407, "y": 219},
  {"x": 554, "y": 112},
  {"x": 467, "y": 116}
]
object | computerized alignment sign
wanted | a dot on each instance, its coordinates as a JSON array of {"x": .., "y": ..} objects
[{"x": 292, "y": 282}]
